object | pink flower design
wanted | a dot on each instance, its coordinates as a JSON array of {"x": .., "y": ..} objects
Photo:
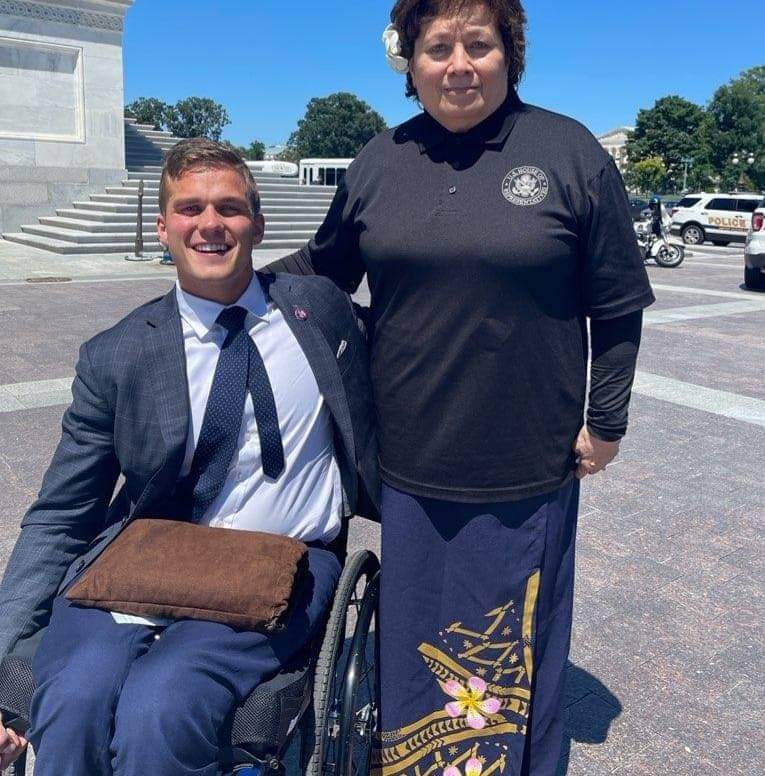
[
  {"x": 471, "y": 702},
  {"x": 473, "y": 767}
]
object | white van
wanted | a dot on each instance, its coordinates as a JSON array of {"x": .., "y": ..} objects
[{"x": 719, "y": 218}]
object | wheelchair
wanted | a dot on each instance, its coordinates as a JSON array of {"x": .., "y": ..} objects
[{"x": 324, "y": 702}]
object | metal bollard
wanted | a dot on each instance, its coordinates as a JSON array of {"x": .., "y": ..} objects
[
  {"x": 139, "y": 222},
  {"x": 138, "y": 248}
]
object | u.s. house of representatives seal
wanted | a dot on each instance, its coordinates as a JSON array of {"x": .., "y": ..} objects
[{"x": 525, "y": 186}]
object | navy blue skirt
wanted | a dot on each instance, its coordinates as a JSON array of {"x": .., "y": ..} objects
[{"x": 475, "y": 625}]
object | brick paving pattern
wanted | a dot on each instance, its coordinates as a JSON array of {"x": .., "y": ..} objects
[{"x": 667, "y": 659}]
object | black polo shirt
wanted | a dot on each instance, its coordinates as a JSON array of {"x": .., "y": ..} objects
[{"x": 485, "y": 252}]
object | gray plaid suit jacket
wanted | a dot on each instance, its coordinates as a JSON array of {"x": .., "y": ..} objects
[{"x": 129, "y": 416}]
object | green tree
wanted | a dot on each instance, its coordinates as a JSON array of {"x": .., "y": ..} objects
[
  {"x": 197, "y": 117},
  {"x": 737, "y": 113},
  {"x": 337, "y": 126},
  {"x": 674, "y": 129},
  {"x": 254, "y": 152},
  {"x": 290, "y": 155},
  {"x": 149, "y": 110},
  {"x": 648, "y": 175}
]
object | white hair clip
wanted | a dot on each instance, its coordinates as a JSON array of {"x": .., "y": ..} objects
[{"x": 393, "y": 50}]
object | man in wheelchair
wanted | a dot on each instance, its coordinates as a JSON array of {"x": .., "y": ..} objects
[{"x": 238, "y": 400}]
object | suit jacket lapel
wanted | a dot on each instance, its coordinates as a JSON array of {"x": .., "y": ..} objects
[
  {"x": 318, "y": 353},
  {"x": 166, "y": 365}
]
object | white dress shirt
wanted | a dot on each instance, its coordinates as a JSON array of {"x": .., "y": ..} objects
[{"x": 306, "y": 500}]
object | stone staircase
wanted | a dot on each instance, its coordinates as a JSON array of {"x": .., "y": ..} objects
[{"x": 106, "y": 223}]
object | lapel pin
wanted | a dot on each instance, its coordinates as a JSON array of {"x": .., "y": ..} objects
[{"x": 301, "y": 313}]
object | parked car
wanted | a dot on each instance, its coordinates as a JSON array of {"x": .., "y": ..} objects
[
  {"x": 720, "y": 218},
  {"x": 754, "y": 253}
]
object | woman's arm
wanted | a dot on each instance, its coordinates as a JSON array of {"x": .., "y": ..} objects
[
  {"x": 334, "y": 250},
  {"x": 615, "y": 343}
]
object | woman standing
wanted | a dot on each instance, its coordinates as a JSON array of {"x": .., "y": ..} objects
[{"x": 489, "y": 231}]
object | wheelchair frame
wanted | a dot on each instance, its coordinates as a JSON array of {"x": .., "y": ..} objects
[{"x": 338, "y": 719}]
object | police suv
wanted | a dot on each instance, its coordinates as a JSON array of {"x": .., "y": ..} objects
[{"x": 719, "y": 218}]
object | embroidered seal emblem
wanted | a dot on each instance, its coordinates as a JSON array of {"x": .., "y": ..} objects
[
  {"x": 301, "y": 313},
  {"x": 525, "y": 186}
]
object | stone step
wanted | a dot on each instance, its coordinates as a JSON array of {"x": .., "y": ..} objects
[
  {"x": 154, "y": 171},
  {"x": 148, "y": 199},
  {"x": 144, "y": 161},
  {"x": 137, "y": 138},
  {"x": 85, "y": 225},
  {"x": 86, "y": 238},
  {"x": 271, "y": 208},
  {"x": 137, "y": 132},
  {"x": 112, "y": 207},
  {"x": 100, "y": 216},
  {"x": 125, "y": 222},
  {"x": 147, "y": 149},
  {"x": 144, "y": 127},
  {"x": 150, "y": 137},
  {"x": 125, "y": 196},
  {"x": 292, "y": 234},
  {"x": 61, "y": 246},
  {"x": 105, "y": 217},
  {"x": 135, "y": 175},
  {"x": 265, "y": 187},
  {"x": 281, "y": 243},
  {"x": 152, "y": 209},
  {"x": 71, "y": 232}
]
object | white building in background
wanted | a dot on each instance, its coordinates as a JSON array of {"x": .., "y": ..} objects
[
  {"x": 61, "y": 104},
  {"x": 615, "y": 142}
]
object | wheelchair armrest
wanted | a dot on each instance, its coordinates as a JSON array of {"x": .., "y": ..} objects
[
  {"x": 17, "y": 685},
  {"x": 16, "y": 689}
]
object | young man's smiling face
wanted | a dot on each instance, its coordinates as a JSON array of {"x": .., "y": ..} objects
[{"x": 210, "y": 230}]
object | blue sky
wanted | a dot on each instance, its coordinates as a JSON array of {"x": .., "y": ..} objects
[{"x": 596, "y": 60}]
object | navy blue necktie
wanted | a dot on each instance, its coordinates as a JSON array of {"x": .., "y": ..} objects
[{"x": 237, "y": 370}]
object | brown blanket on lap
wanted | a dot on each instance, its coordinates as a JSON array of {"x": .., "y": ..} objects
[{"x": 166, "y": 568}]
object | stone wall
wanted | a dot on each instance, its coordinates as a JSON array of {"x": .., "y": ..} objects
[{"x": 61, "y": 92}]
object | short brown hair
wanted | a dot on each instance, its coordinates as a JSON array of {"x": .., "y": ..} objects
[
  {"x": 408, "y": 16},
  {"x": 199, "y": 153}
]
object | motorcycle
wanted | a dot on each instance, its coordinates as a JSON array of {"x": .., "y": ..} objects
[{"x": 658, "y": 248}]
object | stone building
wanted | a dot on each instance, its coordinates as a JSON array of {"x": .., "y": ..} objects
[
  {"x": 61, "y": 103},
  {"x": 615, "y": 142}
]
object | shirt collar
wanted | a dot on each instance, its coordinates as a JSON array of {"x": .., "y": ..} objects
[
  {"x": 491, "y": 132},
  {"x": 201, "y": 314}
]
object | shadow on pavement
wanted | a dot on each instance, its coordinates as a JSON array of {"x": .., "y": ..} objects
[{"x": 591, "y": 708}]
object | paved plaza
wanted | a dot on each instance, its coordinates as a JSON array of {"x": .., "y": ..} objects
[{"x": 667, "y": 660}]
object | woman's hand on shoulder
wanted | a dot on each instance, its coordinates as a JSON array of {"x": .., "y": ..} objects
[{"x": 593, "y": 454}]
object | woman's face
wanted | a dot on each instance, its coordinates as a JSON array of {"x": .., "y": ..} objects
[{"x": 459, "y": 68}]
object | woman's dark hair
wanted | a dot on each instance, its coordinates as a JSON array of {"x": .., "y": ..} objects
[{"x": 408, "y": 16}]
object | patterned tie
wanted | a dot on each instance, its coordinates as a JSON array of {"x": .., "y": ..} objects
[{"x": 237, "y": 369}]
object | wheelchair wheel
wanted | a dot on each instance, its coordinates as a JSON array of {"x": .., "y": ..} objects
[{"x": 344, "y": 707}]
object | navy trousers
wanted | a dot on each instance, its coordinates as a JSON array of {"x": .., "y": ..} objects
[
  {"x": 475, "y": 625},
  {"x": 130, "y": 700}
]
